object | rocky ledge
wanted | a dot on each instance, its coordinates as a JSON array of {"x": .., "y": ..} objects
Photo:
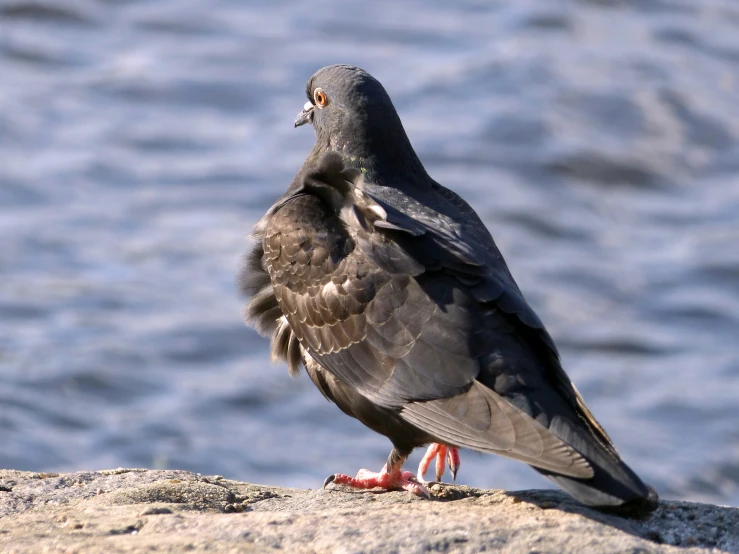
[{"x": 138, "y": 510}]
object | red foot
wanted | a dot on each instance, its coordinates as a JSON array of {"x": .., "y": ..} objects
[
  {"x": 443, "y": 454},
  {"x": 397, "y": 479}
]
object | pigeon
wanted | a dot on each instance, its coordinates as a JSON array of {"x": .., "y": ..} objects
[{"x": 388, "y": 289}]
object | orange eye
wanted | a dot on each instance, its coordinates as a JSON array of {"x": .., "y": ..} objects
[{"x": 320, "y": 97}]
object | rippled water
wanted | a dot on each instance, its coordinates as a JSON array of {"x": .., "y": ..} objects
[{"x": 139, "y": 141}]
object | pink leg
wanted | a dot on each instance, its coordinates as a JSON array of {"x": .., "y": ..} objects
[
  {"x": 392, "y": 479},
  {"x": 443, "y": 454}
]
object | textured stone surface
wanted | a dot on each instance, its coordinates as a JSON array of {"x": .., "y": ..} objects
[{"x": 136, "y": 510}]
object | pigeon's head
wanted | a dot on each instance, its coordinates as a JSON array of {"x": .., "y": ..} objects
[
  {"x": 342, "y": 94},
  {"x": 352, "y": 114}
]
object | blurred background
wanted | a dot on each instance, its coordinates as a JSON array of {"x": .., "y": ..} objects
[{"x": 141, "y": 140}]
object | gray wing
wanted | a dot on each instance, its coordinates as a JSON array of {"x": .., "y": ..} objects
[
  {"x": 456, "y": 227},
  {"x": 411, "y": 321}
]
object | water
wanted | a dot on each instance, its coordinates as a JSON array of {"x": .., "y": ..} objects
[{"x": 599, "y": 140}]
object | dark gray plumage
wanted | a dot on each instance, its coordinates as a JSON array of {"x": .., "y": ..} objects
[{"x": 391, "y": 292}]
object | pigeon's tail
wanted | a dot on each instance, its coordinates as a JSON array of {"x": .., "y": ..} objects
[
  {"x": 613, "y": 487},
  {"x": 625, "y": 494}
]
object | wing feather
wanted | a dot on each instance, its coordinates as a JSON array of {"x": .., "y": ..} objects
[
  {"x": 412, "y": 313},
  {"x": 482, "y": 420}
]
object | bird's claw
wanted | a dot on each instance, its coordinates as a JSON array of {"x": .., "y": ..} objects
[
  {"x": 394, "y": 480},
  {"x": 443, "y": 455},
  {"x": 454, "y": 461}
]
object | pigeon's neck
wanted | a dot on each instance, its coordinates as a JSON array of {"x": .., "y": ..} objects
[{"x": 382, "y": 153}]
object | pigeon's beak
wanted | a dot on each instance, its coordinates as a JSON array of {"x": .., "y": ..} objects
[{"x": 306, "y": 115}]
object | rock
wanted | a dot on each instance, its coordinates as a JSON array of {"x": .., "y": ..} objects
[{"x": 139, "y": 510}]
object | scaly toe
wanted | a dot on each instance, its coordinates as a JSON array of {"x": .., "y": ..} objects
[
  {"x": 440, "y": 462},
  {"x": 454, "y": 461},
  {"x": 414, "y": 487},
  {"x": 423, "y": 467}
]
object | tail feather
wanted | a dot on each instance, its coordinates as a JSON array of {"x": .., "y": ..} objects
[
  {"x": 606, "y": 493},
  {"x": 614, "y": 485}
]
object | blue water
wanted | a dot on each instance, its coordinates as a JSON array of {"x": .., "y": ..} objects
[{"x": 140, "y": 141}]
